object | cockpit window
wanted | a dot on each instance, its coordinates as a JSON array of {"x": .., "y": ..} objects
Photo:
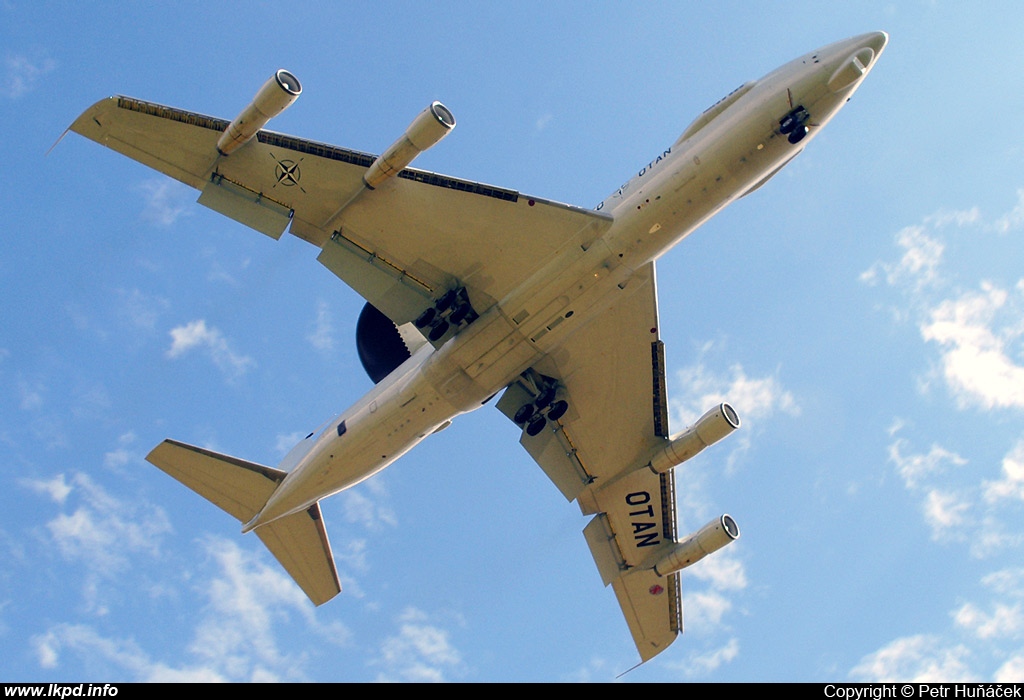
[{"x": 341, "y": 428}]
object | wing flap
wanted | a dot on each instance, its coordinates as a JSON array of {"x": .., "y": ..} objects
[{"x": 246, "y": 207}]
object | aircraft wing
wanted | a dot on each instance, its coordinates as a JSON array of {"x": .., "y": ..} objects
[
  {"x": 611, "y": 373},
  {"x": 400, "y": 246}
]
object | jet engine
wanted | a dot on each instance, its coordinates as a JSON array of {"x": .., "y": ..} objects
[
  {"x": 708, "y": 539},
  {"x": 714, "y": 425},
  {"x": 429, "y": 127},
  {"x": 276, "y": 95}
]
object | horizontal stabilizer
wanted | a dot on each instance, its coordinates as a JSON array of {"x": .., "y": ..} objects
[
  {"x": 298, "y": 541},
  {"x": 238, "y": 487}
]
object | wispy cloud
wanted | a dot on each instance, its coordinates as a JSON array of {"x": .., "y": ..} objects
[
  {"x": 699, "y": 664},
  {"x": 964, "y": 652},
  {"x": 102, "y": 531},
  {"x": 913, "y": 467},
  {"x": 164, "y": 200},
  {"x": 420, "y": 651},
  {"x": 21, "y": 74},
  {"x": 367, "y": 505},
  {"x": 235, "y": 639},
  {"x": 978, "y": 334},
  {"x": 322, "y": 336},
  {"x": 56, "y": 488},
  {"x": 971, "y": 330},
  {"x": 978, "y": 331},
  {"x": 1013, "y": 219},
  {"x": 196, "y": 334},
  {"x": 1011, "y": 485},
  {"x": 916, "y": 659},
  {"x": 700, "y": 387},
  {"x": 121, "y": 657},
  {"x": 919, "y": 265}
]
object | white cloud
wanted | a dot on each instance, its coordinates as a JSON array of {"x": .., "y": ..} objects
[
  {"x": 1014, "y": 218},
  {"x": 420, "y": 652},
  {"x": 103, "y": 531},
  {"x": 978, "y": 332},
  {"x": 285, "y": 442},
  {"x": 701, "y": 664},
  {"x": 56, "y": 488},
  {"x": 724, "y": 571},
  {"x": 322, "y": 337},
  {"x": 698, "y": 389},
  {"x": 196, "y": 335},
  {"x": 1004, "y": 620},
  {"x": 122, "y": 455},
  {"x": 22, "y": 73},
  {"x": 235, "y": 639},
  {"x": 30, "y": 395},
  {"x": 1012, "y": 484},
  {"x": 165, "y": 200},
  {"x": 704, "y": 610},
  {"x": 944, "y": 513},
  {"x": 366, "y": 504},
  {"x": 969, "y": 645},
  {"x": 913, "y": 468},
  {"x": 975, "y": 349},
  {"x": 1011, "y": 671},
  {"x": 917, "y": 659},
  {"x": 123, "y": 655},
  {"x": 236, "y": 636},
  {"x": 141, "y": 310},
  {"x": 752, "y": 397},
  {"x": 919, "y": 265}
]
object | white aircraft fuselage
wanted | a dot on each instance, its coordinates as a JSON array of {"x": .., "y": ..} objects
[{"x": 729, "y": 151}]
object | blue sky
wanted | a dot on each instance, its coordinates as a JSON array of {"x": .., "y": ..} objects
[{"x": 864, "y": 312}]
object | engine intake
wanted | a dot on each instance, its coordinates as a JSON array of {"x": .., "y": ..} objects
[
  {"x": 276, "y": 95},
  {"x": 429, "y": 127},
  {"x": 708, "y": 539},
  {"x": 714, "y": 425}
]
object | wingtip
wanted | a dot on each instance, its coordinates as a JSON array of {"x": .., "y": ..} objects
[{"x": 59, "y": 139}]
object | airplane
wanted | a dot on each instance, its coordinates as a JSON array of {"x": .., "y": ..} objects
[{"x": 474, "y": 290}]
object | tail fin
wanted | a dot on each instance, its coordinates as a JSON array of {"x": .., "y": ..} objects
[{"x": 298, "y": 541}]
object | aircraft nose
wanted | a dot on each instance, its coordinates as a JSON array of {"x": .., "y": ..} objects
[
  {"x": 863, "y": 52},
  {"x": 876, "y": 41}
]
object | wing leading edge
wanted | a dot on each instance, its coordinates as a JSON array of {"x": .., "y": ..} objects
[{"x": 401, "y": 246}]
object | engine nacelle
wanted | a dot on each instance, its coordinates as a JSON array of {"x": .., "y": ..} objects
[
  {"x": 714, "y": 425},
  {"x": 429, "y": 127},
  {"x": 276, "y": 95},
  {"x": 708, "y": 539}
]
